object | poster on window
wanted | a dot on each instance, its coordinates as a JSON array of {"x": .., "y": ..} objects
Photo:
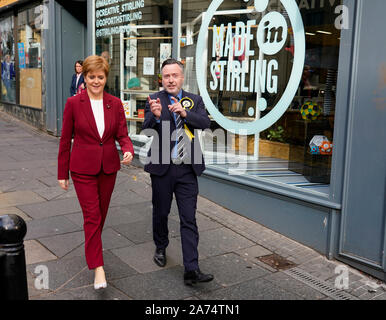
[
  {"x": 148, "y": 66},
  {"x": 165, "y": 52},
  {"x": 20, "y": 47},
  {"x": 131, "y": 53}
]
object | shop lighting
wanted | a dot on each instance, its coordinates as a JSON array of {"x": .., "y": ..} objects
[
  {"x": 310, "y": 34},
  {"x": 324, "y": 32}
]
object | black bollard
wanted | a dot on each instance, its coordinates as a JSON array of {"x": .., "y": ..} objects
[{"x": 13, "y": 275}]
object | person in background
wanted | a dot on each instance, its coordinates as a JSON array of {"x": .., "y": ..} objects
[
  {"x": 8, "y": 78},
  {"x": 96, "y": 120},
  {"x": 77, "y": 82}
]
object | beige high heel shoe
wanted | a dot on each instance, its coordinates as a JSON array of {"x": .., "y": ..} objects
[{"x": 100, "y": 285}]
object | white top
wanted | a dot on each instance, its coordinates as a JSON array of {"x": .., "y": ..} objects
[
  {"x": 97, "y": 109},
  {"x": 77, "y": 79}
]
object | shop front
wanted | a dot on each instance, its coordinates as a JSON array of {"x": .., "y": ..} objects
[
  {"x": 281, "y": 81},
  {"x": 39, "y": 44},
  {"x": 21, "y": 60}
]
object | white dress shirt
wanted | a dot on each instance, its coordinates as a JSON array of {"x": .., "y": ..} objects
[{"x": 97, "y": 109}]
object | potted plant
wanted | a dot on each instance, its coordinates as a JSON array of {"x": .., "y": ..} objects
[{"x": 272, "y": 144}]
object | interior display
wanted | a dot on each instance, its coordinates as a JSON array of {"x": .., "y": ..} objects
[
  {"x": 30, "y": 62},
  {"x": 310, "y": 111},
  {"x": 326, "y": 148},
  {"x": 126, "y": 107},
  {"x": 316, "y": 143}
]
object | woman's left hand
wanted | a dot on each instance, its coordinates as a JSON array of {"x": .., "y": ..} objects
[{"x": 127, "y": 158}]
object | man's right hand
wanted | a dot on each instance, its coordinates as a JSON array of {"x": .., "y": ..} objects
[{"x": 155, "y": 107}]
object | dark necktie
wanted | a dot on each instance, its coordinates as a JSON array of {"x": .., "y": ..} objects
[{"x": 180, "y": 136}]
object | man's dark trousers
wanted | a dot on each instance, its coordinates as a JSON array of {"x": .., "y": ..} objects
[{"x": 182, "y": 181}]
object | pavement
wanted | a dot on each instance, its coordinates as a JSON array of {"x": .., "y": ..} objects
[{"x": 248, "y": 260}]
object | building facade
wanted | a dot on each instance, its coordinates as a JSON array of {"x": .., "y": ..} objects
[{"x": 295, "y": 90}]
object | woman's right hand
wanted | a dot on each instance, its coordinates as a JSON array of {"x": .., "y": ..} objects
[{"x": 64, "y": 184}]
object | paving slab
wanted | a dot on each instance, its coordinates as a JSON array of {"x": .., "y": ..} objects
[
  {"x": 15, "y": 210},
  {"x": 114, "y": 269},
  {"x": 113, "y": 240},
  {"x": 17, "y": 198},
  {"x": 125, "y": 198},
  {"x": 84, "y": 293},
  {"x": 256, "y": 289},
  {"x": 219, "y": 241},
  {"x": 51, "y": 180},
  {"x": 117, "y": 216},
  {"x": 51, "y": 208},
  {"x": 50, "y": 193},
  {"x": 35, "y": 252},
  {"x": 203, "y": 223},
  {"x": 230, "y": 269},
  {"x": 165, "y": 284},
  {"x": 60, "y": 272},
  {"x": 128, "y": 214},
  {"x": 62, "y": 244},
  {"x": 142, "y": 231},
  {"x": 40, "y": 228},
  {"x": 27, "y": 164},
  {"x": 140, "y": 257},
  {"x": 28, "y": 185},
  {"x": 252, "y": 253},
  {"x": 290, "y": 284}
]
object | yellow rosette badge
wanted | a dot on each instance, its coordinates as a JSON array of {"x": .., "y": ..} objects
[{"x": 187, "y": 103}]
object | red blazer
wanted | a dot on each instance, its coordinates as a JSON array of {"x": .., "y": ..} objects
[{"x": 89, "y": 152}]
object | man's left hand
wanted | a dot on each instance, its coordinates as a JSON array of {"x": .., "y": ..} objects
[{"x": 177, "y": 108}]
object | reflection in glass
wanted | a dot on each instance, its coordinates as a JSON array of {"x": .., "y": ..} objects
[
  {"x": 297, "y": 149},
  {"x": 29, "y": 51},
  {"x": 7, "y": 58}
]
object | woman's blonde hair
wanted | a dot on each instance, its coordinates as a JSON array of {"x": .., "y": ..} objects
[{"x": 95, "y": 63}]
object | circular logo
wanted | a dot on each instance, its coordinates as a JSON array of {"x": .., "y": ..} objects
[
  {"x": 268, "y": 42},
  {"x": 271, "y": 37}
]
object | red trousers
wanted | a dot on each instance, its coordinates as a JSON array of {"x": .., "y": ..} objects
[{"x": 94, "y": 194}]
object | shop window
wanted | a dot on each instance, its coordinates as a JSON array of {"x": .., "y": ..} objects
[
  {"x": 135, "y": 37},
  {"x": 7, "y": 58},
  {"x": 245, "y": 83},
  {"x": 29, "y": 54}
]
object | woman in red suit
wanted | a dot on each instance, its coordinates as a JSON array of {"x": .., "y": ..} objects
[{"x": 95, "y": 120}]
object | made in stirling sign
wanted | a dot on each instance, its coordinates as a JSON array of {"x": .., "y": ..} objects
[{"x": 271, "y": 36}]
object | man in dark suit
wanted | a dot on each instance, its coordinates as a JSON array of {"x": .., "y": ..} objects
[{"x": 175, "y": 161}]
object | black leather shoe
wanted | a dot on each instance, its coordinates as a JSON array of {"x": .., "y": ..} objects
[
  {"x": 160, "y": 257},
  {"x": 191, "y": 277}
]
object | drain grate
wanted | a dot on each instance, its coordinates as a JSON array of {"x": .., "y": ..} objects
[{"x": 319, "y": 285}]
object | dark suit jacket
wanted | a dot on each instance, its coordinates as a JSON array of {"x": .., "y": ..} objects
[
  {"x": 74, "y": 87},
  {"x": 89, "y": 151},
  {"x": 197, "y": 118}
]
